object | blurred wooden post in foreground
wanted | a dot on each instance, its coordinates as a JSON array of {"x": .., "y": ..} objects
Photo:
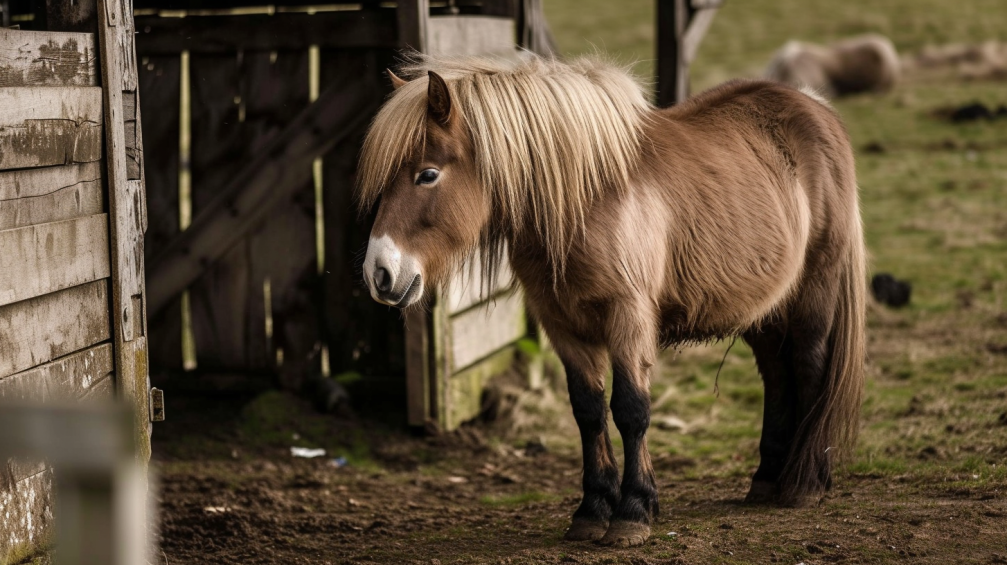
[
  {"x": 681, "y": 25},
  {"x": 100, "y": 485}
]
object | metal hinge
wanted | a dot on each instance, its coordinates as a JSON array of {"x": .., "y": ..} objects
[{"x": 156, "y": 405}]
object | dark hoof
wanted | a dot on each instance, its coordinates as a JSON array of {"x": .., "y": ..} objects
[
  {"x": 585, "y": 530},
  {"x": 762, "y": 492},
  {"x": 626, "y": 534}
]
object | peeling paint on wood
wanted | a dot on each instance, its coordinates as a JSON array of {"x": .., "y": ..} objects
[
  {"x": 42, "y": 58},
  {"x": 44, "y": 258},
  {"x": 36, "y": 196},
  {"x": 71, "y": 377},
  {"x": 27, "y": 512},
  {"x": 479, "y": 332},
  {"x": 43, "y": 126},
  {"x": 39, "y": 330}
]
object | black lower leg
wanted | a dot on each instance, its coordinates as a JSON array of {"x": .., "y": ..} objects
[
  {"x": 810, "y": 365},
  {"x": 631, "y": 413},
  {"x": 601, "y": 475},
  {"x": 778, "y": 418}
]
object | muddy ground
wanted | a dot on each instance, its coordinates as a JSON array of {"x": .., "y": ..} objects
[{"x": 471, "y": 502}]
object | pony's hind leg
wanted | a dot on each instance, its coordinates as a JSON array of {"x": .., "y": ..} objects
[
  {"x": 807, "y": 474},
  {"x": 778, "y": 418},
  {"x": 585, "y": 375}
]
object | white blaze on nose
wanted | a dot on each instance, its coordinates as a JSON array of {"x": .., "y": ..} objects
[{"x": 383, "y": 253}]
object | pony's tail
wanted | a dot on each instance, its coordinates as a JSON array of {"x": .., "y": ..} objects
[{"x": 829, "y": 433}]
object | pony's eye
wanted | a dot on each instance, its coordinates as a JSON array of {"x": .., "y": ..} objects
[{"x": 427, "y": 176}]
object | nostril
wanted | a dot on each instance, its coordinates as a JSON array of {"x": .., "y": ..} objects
[{"x": 382, "y": 280}]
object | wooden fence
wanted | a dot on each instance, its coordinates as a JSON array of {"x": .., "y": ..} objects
[{"x": 72, "y": 215}]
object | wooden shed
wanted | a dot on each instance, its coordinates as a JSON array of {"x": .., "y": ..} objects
[{"x": 72, "y": 218}]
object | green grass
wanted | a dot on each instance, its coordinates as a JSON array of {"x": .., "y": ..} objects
[{"x": 521, "y": 499}]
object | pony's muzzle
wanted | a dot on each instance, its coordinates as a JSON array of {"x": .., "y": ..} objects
[{"x": 392, "y": 277}]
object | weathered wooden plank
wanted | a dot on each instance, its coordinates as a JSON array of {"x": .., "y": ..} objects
[
  {"x": 28, "y": 514},
  {"x": 413, "y": 16},
  {"x": 418, "y": 340},
  {"x": 468, "y": 287},
  {"x": 159, "y": 95},
  {"x": 18, "y": 469},
  {"x": 282, "y": 248},
  {"x": 48, "y": 257},
  {"x": 258, "y": 32},
  {"x": 466, "y": 387},
  {"x": 36, "y": 196},
  {"x": 45, "y": 58},
  {"x": 218, "y": 300},
  {"x": 478, "y": 332},
  {"x": 71, "y": 377},
  {"x": 42, "y": 126},
  {"x": 470, "y": 35},
  {"x": 127, "y": 220},
  {"x": 41, "y": 329}
]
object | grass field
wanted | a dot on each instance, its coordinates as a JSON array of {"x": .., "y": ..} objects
[{"x": 928, "y": 482}]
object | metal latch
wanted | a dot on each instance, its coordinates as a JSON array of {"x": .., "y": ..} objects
[{"x": 156, "y": 405}]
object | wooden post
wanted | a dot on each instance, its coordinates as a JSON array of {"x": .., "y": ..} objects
[
  {"x": 127, "y": 209},
  {"x": 681, "y": 25}
]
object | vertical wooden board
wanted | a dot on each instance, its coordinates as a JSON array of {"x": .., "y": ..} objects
[
  {"x": 479, "y": 332},
  {"x": 28, "y": 514},
  {"x": 364, "y": 336},
  {"x": 68, "y": 378},
  {"x": 219, "y": 300},
  {"x": 36, "y": 196},
  {"x": 39, "y": 330},
  {"x": 466, "y": 387},
  {"x": 469, "y": 286},
  {"x": 282, "y": 249},
  {"x": 43, "y": 126},
  {"x": 46, "y": 58},
  {"x": 48, "y": 257},
  {"x": 159, "y": 106},
  {"x": 471, "y": 35}
]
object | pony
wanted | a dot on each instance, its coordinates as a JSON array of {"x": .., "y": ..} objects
[
  {"x": 632, "y": 228},
  {"x": 866, "y": 63}
]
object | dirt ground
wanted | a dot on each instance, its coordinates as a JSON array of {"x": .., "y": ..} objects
[{"x": 463, "y": 499}]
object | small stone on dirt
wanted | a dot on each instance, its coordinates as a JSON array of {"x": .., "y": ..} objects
[
  {"x": 457, "y": 480},
  {"x": 535, "y": 447}
]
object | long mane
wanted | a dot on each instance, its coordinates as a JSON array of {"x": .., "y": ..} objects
[{"x": 549, "y": 138}]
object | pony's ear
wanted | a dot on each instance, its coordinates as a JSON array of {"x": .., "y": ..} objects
[
  {"x": 396, "y": 81},
  {"x": 438, "y": 99}
]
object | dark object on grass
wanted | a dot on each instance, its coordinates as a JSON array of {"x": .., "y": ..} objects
[
  {"x": 329, "y": 396},
  {"x": 888, "y": 290},
  {"x": 976, "y": 111}
]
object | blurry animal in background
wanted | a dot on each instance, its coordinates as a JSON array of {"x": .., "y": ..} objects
[
  {"x": 975, "y": 61},
  {"x": 734, "y": 213},
  {"x": 866, "y": 63}
]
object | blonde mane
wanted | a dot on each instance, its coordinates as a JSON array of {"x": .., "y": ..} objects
[{"x": 549, "y": 138}]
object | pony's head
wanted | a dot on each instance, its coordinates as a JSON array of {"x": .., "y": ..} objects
[
  {"x": 432, "y": 209},
  {"x": 471, "y": 152}
]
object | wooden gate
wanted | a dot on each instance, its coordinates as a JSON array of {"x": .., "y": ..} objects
[
  {"x": 254, "y": 118},
  {"x": 72, "y": 216}
]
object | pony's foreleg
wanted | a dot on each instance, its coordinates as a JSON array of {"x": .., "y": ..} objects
[
  {"x": 585, "y": 376},
  {"x": 631, "y": 364}
]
